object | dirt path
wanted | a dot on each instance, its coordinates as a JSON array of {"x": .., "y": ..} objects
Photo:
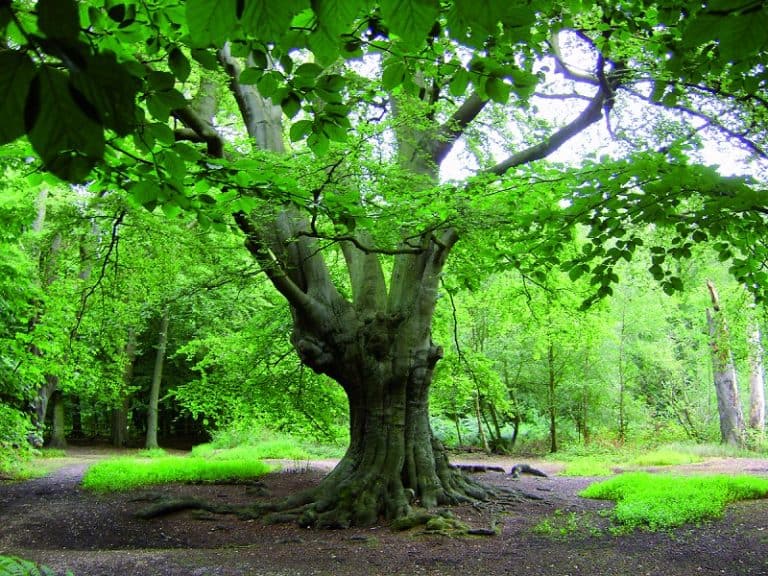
[{"x": 51, "y": 520}]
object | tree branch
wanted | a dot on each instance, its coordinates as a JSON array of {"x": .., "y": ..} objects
[
  {"x": 591, "y": 114},
  {"x": 287, "y": 287},
  {"x": 202, "y": 128},
  {"x": 262, "y": 118},
  {"x": 453, "y": 129}
]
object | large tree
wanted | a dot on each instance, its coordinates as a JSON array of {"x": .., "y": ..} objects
[{"x": 97, "y": 89}]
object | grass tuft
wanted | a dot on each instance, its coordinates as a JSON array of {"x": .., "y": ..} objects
[{"x": 664, "y": 501}]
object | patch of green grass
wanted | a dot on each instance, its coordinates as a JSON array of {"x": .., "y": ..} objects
[
  {"x": 280, "y": 449},
  {"x": 589, "y": 466},
  {"x": 127, "y": 473},
  {"x": 665, "y": 457},
  {"x": 151, "y": 453},
  {"x": 53, "y": 453},
  {"x": 261, "y": 443},
  {"x": 665, "y": 501}
]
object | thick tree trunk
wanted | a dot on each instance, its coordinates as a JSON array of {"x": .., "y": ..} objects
[
  {"x": 732, "y": 427},
  {"x": 393, "y": 461},
  {"x": 157, "y": 379}
]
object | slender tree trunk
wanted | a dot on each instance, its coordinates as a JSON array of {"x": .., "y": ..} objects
[
  {"x": 480, "y": 431},
  {"x": 119, "y": 416},
  {"x": 58, "y": 432},
  {"x": 732, "y": 427},
  {"x": 622, "y": 383},
  {"x": 756, "y": 381},
  {"x": 456, "y": 422},
  {"x": 552, "y": 407},
  {"x": 157, "y": 378}
]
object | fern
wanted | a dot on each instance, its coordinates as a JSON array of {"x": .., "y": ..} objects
[{"x": 12, "y": 566}]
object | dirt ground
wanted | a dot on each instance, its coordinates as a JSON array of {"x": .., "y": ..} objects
[{"x": 53, "y": 521}]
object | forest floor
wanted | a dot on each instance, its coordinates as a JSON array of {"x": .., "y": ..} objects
[{"x": 53, "y": 521}]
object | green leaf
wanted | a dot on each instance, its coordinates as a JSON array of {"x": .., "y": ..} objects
[
  {"x": 179, "y": 64},
  {"x": 411, "y": 20},
  {"x": 211, "y": 22},
  {"x": 145, "y": 192},
  {"x": 300, "y": 129},
  {"x": 250, "y": 76},
  {"x": 335, "y": 132},
  {"x": 324, "y": 45},
  {"x": 59, "y": 19},
  {"x": 334, "y": 18},
  {"x": 291, "y": 105},
  {"x": 309, "y": 70},
  {"x": 497, "y": 90},
  {"x": 269, "y": 83},
  {"x": 337, "y": 16},
  {"x": 160, "y": 80},
  {"x": 162, "y": 133},
  {"x": 16, "y": 73},
  {"x": 318, "y": 143},
  {"x": 393, "y": 75},
  {"x": 206, "y": 58},
  {"x": 174, "y": 166},
  {"x": 267, "y": 20},
  {"x": 173, "y": 99},
  {"x": 68, "y": 142},
  {"x": 332, "y": 83},
  {"x": 110, "y": 89},
  {"x": 459, "y": 82}
]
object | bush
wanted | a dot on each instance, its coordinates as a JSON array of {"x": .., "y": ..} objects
[{"x": 15, "y": 449}]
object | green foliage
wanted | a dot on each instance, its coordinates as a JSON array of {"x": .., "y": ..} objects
[
  {"x": 15, "y": 449},
  {"x": 129, "y": 473},
  {"x": 13, "y": 566},
  {"x": 265, "y": 443},
  {"x": 659, "y": 501}
]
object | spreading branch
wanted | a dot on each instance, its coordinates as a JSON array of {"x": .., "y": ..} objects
[
  {"x": 591, "y": 114},
  {"x": 287, "y": 287},
  {"x": 454, "y": 128}
]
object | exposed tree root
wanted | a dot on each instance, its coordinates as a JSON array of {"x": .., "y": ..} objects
[
  {"x": 169, "y": 506},
  {"x": 361, "y": 500}
]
